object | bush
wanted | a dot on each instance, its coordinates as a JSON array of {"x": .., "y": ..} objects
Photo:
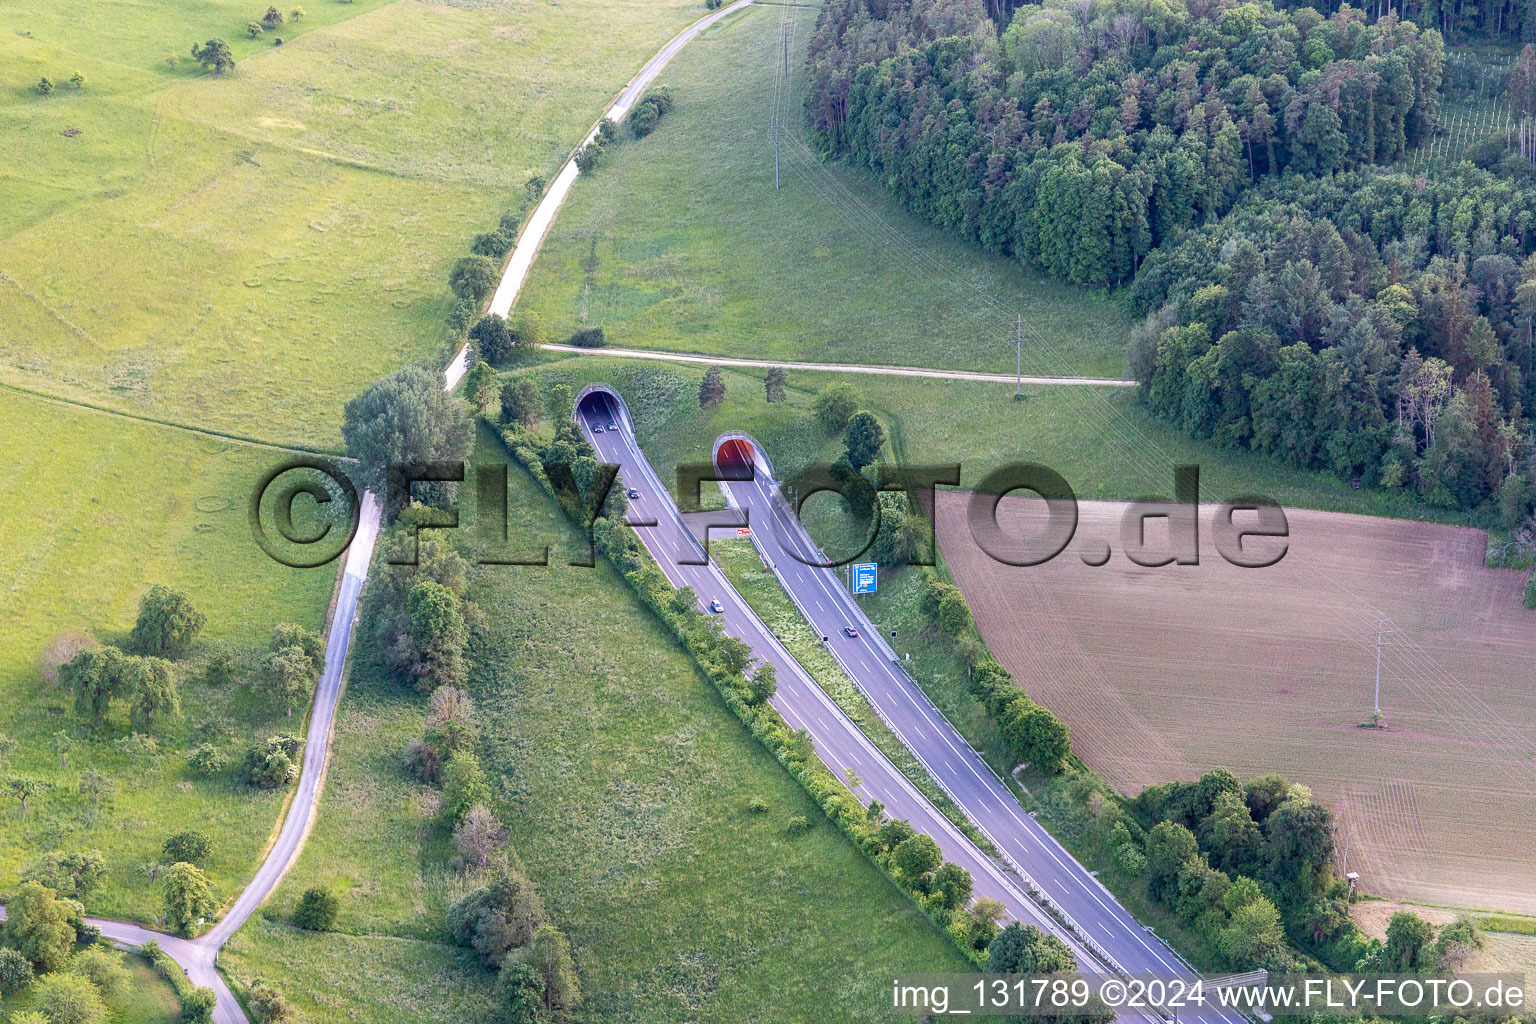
[
  {"x": 497, "y": 918},
  {"x": 799, "y": 825},
  {"x": 589, "y": 337},
  {"x": 1530, "y": 590},
  {"x": 460, "y": 316},
  {"x": 206, "y": 760},
  {"x": 835, "y": 406},
  {"x": 493, "y": 244},
  {"x": 15, "y": 972},
  {"x": 649, "y": 112},
  {"x": 253, "y": 29},
  {"x": 105, "y": 968},
  {"x": 494, "y": 340},
  {"x": 45, "y": 86},
  {"x": 188, "y": 845},
  {"x": 272, "y": 18},
  {"x": 589, "y": 157},
  {"x": 473, "y": 278},
  {"x": 167, "y": 623},
  {"x": 266, "y": 1003},
  {"x": 757, "y": 805},
  {"x": 273, "y": 764},
  {"x": 65, "y": 998},
  {"x": 317, "y": 910},
  {"x": 197, "y": 1006}
]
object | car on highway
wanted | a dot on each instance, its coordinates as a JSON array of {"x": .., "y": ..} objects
[
  {"x": 850, "y": 632},
  {"x": 597, "y": 428},
  {"x": 632, "y": 493},
  {"x": 716, "y": 607},
  {"x": 613, "y": 426}
]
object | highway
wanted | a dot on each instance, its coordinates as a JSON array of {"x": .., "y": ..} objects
[
  {"x": 784, "y": 544},
  {"x": 1102, "y": 933},
  {"x": 839, "y": 742}
]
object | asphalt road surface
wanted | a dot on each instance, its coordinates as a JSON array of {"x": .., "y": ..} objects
[
  {"x": 1103, "y": 934},
  {"x": 198, "y": 957},
  {"x": 538, "y": 226},
  {"x": 838, "y": 741}
]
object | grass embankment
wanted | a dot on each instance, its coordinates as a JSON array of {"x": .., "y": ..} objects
[
  {"x": 96, "y": 509},
  {"x": 245, "y": 253},
  {"x": 625, "y": 785},
  {"x": 682, "y": 242},
  {"x": 1102, "y": 441},
  {"x": 742, "y": 565}
]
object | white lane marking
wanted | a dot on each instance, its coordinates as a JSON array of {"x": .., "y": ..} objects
[{"x": 826, "y": 583}]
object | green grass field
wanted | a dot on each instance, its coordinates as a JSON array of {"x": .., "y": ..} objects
[
  {"x": 246, "y": 253},
  {"x": 1100, "y": 439},
  {"x": 96, "y": 509},
  {"x": 680, "y": 241},
  {"x": 624, "y": 783},
  {"x": 147, "y": 999}
]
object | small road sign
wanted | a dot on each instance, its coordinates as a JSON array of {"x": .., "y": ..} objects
[{"x": 864, "y": 578}]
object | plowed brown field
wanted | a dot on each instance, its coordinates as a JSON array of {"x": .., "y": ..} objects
[{"x": 1166, "y": 672}]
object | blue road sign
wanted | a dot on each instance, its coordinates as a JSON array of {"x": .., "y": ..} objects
[{"x": 864, "y": 578}]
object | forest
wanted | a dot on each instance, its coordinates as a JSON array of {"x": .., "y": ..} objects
[{"x": 1241, "y": 172}]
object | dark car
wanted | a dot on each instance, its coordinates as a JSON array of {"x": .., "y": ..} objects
[
  {"x": 632, "y": 493},
  {"x": 849, "y": 631},
  {"x": 597, "y": 429},
  {"x": 613, "y": 426}
]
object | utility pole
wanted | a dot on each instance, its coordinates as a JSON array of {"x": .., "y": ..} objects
[
  {"x": 1018, "y": 356},
  {"x": 1379, "y": 644}
]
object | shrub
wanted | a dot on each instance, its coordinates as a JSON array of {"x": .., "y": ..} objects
[
  {"x": 497, "y": 918},
  {"x": 188, "y": 897},
  {"x": 494, "y": 340},
  {"x": 15, "y": 972},
  {"x": 589, "y": 337},
  {"x": 460, "y": 316},
  {"x": 266, "y": 1003},
  {"x": 253, "y": 29},
  {"x": 835, "y": 406},
  {"x": 757, "y": 805},
  {"x": 799, "y": 825},
  {"x": 77, "y": 80},
  {"x": 188, "y": 845},
  {"x": 272, "y": 18},
  {"x": 197, "y": 1006},
  {"x": 421, "y": 761},
  {"x": 45, "y": 86},
  {"x": 1130, "y": 860},
  {"x": 493, "y": 244},
  {"x": 473, "y": 278},
  {"x": 273, "y": 764},
  {"x": 1530, "y": 590},
  {"x": 317, "y": 910},
  {"x": 206, "y": 760},
  {"x": 105, "y": 968},
  {"x": 167, "y": 623},
  {"x": 589, "y": 156},
  {"x": 66, "y": 998}
]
